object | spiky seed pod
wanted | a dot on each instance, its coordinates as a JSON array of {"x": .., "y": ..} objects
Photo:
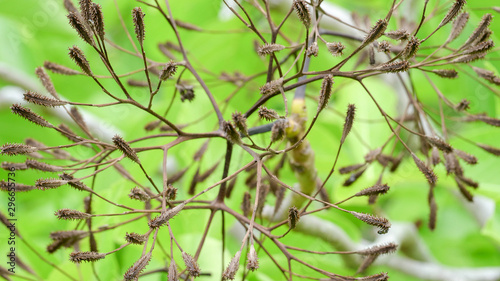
[
  {"x": 168, "y": 70},
  {"x": 85, "y": 9},
  {"x": 135, "y": 238},
  {"x": 267, "y": 114},
  {"x": 432, "y": 210},
  {"x": 349, "y": 119},
  {"x": 435, "y": 157},
  {"x": 191, "y": 265},
  {"x": 269, "y": 48},
  {"x": 172, "y": 272},
  {"x": 293, "y": 217},
  {"x": 14, "y": 166},
  {"x": 382, "y": 223},
  {"x": 44, "y": 184},
  {"x": 253, "y": 260},
  {"x": 171, "y": 193},
  {"x": 240, "y": 122},
  {"x": 478, "y": 33},
  {"x": 428, "y": 173},
  {"x": 39, "y": 99},
  {"x": 33, "y": 164},
  {"x": 493, "y": 150},
  {"x": 46, "y": 82},
  {"x": 471, "y": 159},
  {"x": 335, "y": 48},
  {"x": 325, "y": 92},
  {"x": 439, "y": 144},
  {"x": 384, "y": 47},
  {"x": 446, "y": 73},
  {"x": 138, "y": 194},
  {"x": 68, "y": 214},
  {"x": 464, "y": 191},
  {"x": 451, "y": 164},
  {"x": 373, "y": 190},
  {"x": 480, "y": 47},
  {"x": 351, "y": 168},
  {"x": 354, "y": 177},
  {"x": 17, "y": 148},
  {"x": 487, "y": 75},
  {"x": 400, "y": 34},
  {"x": 278, "y": 130},
  {"x": 271, "y": 87},
  {"x": 379, "y": 249},
  {"x": 458, "y": 26},
  {"x": 411, "y": 48},
  {"x": 62, "y": 235},
  {"x": 69, "y": 6},
  {"x": 397, "y": 66},
  {"x": 313, "y": 49},
  {"x": 186, "y": 91},
  {"x": 376, "y": 277},
  {"x": 18, "y": 186},
  {"x": 29, "y": 115},
  {"x": 78, "y": 185},
  {"x": 468, "y": 181},
  {"x": 232, "y": 268},
  {"x": 78, "y": 257},
  {"x": 469, "y": 58},
  {"x": 486, "y": 119},
  {"x": 462, "y": 105},
  {"x": 79, "y": 57},
  {"x": 302, "y": 11},
  {"x": 138, "y": 18},
  {"x": 59, "y": 69},
  {"x": 81, "y": 29},
  {"x": 485, "y": 36},
  {"x": 453, "y": 12},
  {"x": 68, "y": 133},
  {"x": 125, "y": 149},
  {"x": 245, "y": 205},
  {"x": 97, "y": 20},
  {"x": 164, "y": 217},
  {"x": 231, "y": 133},
  {"x": 133, "y": 272},
  {"x": 377, "y": 30}
]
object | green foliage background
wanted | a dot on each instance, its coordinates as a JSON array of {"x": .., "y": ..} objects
[{"x": 36, "y": 31}]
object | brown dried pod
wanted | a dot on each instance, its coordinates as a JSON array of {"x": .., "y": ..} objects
[
  {"x": 81, "y": 29},
  {"x": 383, "y": 249},
  {"x": 138, "y": 18},
  {"x": 16, "y": 149},
  {"x": 428, "y": 173},
  {"x": 78, "y": 257},
  {"x": 278, "y": 131},
  {"x": 133, "y": 272},
  {"x": 135, "y": 238},
  {"x": 97, "y": 20},
  {"x": 453, "y": 12},
  {"x": 29, "y": 115},
  {"x": 267, "y": 114},
  {"x": 68, "y": 214},
  {"x": 85, "y": 9},
  {"x": 335, "y": 48},
  {"x": 446, "y": 73},
  {"x": 191, "y": 265},
  {"x": 354, "y": 177},
  {"x": 172, "y": 272},
  {"x": 478, "y": 33},
  {"x": 400, "y": 34},
  {"x": 376, "y": 277},
  {"x": 240, "y": 122},
  {"x": 44, "y": 184},
  {"x": 125, "y": 149},
  {"x": 63, "y": 235},
  {"x": 46, "y": 82},
  {"x": 325, "y": 92},
  {"x": 164, "y": 217},
  {"x": 468, "y": 181},
  {"x": 168, "y": 70},
  {"x": 230, "y": 132},
  {"x": 397, "y": 66},
  {"x": 33, "y": 164},
  {"x": 138, "y": 194},
  {"x": 313, "y": 49},
  {"x": 384, "y": 47},
  {"x": 78, "y": 185},
  {"x": 367, "y": 261},
  {"x": 382, "y": 223},
  {"x": 19, "y": 187},
  {"x": 464, "y": 191},
  {"x": 300, "y": 7},
  {"x": 269, "y": 48},
  {"x": 373, "y": 190},
  {"x": 246, "y": 205},
  {"x": 480, "y": 48},
  {"x": 493, "y": 150},
  {"x": 186, "y": 91},
  {"x": 59, "y": 69},
  {"x": 462, "y": 105},
  {"x": 469, "y": 58},
  {"x": 377, "y": 30},
  {"x": 253, "y": 260},
  {"x": 433, "y": 210},
  {"x": 293, "y": 217},
  {"x": 79, "y": 58},
  {"x": 349, "y": 119},
  {"x": 232, "y": 268},
  {"x": 411, "y": 48},
  {"x": 271, "y": 87},
  {"x": 471, "y": 159},
  {"x": 14, "y": 166},
  {"x": 439, "y": 144},
  {"x": 39, "y": 99},
  {"x": 435, "y": 157},
  {"x": 171, "y": 193},
  {"x": 458, "y": 26},
  {"x": 351, "y": 168}
]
